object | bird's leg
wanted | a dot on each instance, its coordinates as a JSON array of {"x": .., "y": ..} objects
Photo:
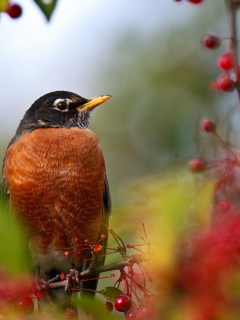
[{"x": 72, "y": 286}]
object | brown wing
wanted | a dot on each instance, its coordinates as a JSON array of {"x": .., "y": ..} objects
[{"x": 107, "y": 207}]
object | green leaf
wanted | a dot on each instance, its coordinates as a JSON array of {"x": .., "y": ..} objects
[
  {"x": 47, "y": 7},
  {"x": 3, "y": 4},
  {"x": 110, "y": 293},
  {"x": 13, "y": 251}
]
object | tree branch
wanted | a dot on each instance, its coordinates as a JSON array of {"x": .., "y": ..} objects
[{"x": 91, "y": 272}]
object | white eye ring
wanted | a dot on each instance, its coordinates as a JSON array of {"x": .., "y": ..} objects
[{"x": 62, "y": 104}]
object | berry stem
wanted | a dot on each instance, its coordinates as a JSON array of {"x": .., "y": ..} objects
[{"x": 225, "y": 146}]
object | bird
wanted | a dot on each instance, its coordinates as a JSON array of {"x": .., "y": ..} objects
[{"x": 54, "y": 178}]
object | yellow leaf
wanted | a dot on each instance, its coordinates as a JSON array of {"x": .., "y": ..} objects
[{"x": 3, "y": 4}]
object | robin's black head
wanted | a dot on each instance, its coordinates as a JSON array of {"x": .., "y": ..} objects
[{"x": 59, "y": 109}]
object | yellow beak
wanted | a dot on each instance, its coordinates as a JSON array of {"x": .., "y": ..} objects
[{"x": 93, "y": 103}]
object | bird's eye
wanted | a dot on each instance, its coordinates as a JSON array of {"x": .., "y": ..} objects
[{"x": 62, "y": 105}]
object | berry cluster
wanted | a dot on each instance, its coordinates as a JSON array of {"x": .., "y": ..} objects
[
  {"x": 124, "y": 304},
  {"x": 225, "y": 63},
  {"x": 136, "y": 301},
  {"x": 207, "y": 281},
  {"x": 14, "y": 10},
  {"x": 198, "y": 164},
  {"x": 17, "y": 295},
  {"x": 227, "y": 174}
]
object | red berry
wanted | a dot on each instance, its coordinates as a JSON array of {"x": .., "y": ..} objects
[
  {"x": 225, "y": 83},
  {"x": 14, "y": 10},
  {"x": 97, "y": 247},
  {"x": 109, "y": 306},
  {"x": 6, "y": 306},
  {"x": 70, "y": 314},
  {"x": 123, "y": 303},
  {"x": 197, "y": 164},
  {"x": 207, "y": 125},
  {"x": 62, "y": 276},
  {"x": 210, "y": 41},
  {"x": 195, "y": 1},
  {"x": 24, "y": 305},
  {"x": 225, "y": 61},
  {"x": 132, "y": 314}
]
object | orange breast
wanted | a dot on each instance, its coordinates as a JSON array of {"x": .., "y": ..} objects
[{"x": 56, "y": 177}]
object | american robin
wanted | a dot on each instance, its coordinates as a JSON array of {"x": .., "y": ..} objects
[{"x": 54, "y": 175}]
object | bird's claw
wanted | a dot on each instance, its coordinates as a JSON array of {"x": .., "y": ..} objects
[{"x": 72, "y": 281}]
